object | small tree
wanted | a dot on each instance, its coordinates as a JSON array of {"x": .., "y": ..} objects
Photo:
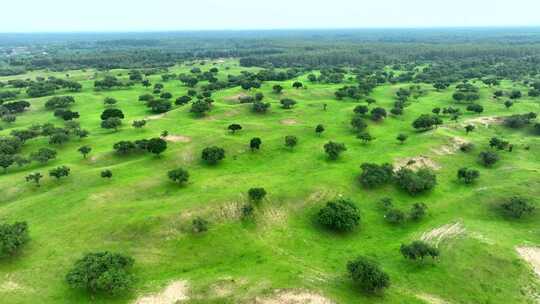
[
  {"x": 297, "y": 85},
  {"x": 277, "y": 89},
  {"x": 291, "y": 141},
  {"x": 488, "y": 158},
  {"x": 34, "y": 177},
  {"x": 137, "y": 124},
  {"x": 365, "y": 137},
  {"x": 319, "y": 129},
  {"x": 334, "y": 149},
  {"x": 102, "y": 272},
  {"x": 6, "y": 160},
  {"x": 395, "y": 216},
  {"x": 60, "y": 172},
  {"x": 212, "y": 155},
  {"x": 517, "y": 207},
  {"x": 287, "y": 103},
  {"x": 374, "y": 175},
  {"x": 416, "y": 182},
  {"x": 402, "y": 138},
  {"x": 43, "y": 155},
  {"x": 234, "y": 127},
  {"x": 85, "y": 150},
  {"x": 255, "y": 143},
  {"x": 468, "y": 176},
  {"x": 256, "y": 194},
  {"x": 469, "y": 128},
  {"x": 109, "y": 101},
  {"x": 418, "y": 211},
  {"x": 179, "y": 176},
  {"x": 418, "y": 250},
  {"x": 111, "y": 123},
  {"x": 199, "y": 225},
  {"x": 508, "y": 104},
  {"x": 13, "y": 237},
  {"x": 156, "y": 146},
  {"x": 106, "y": 174},
  {"x": 368, "y": 275},
  {"x": 339, "y": 215}
]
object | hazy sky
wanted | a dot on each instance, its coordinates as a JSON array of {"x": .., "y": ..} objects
[{"x": 149, "y": 15}]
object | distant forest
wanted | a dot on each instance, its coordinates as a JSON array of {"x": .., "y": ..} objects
[{"x": 447, "y": 54}]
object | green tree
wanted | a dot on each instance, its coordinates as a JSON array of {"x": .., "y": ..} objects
[
  {"x": 256, "y": 194},
  {"x": 339, "y": 215},
  {"x": 179, "y": 176},
  {"x": 156, "y": 146},
  {"x": 34, "y": 177},
  {"x": 517, "y": 207},
  {"x": 418, "y": 250},
  {"x": 111, "y": 123},
  {"x": 416, "y": 182},
  {"x": 6, "y": 160},
  {"x": 43, "y": 155},
  {"x": 368, "y": 275},
  {"x": 59, "y": 172},
  {"x": 334, "y": 149},
  {"x": 212, "y": 155},
  {"x": 291, "y": 141},
  {"x": 85, "y": 150},
  {"x": 402, "y": 138},
  {"x": 319, "y": 129},
  {"x": 418, "y": 211},
  {"x": 488, "y": 158},
  {"x": 374, "y": 175},
  {"x": 234, "y": 127},
  {"x": 106, "y": 174},
  {"x": 468, "y": 176},
  {"x": 13, "y": 237},
  {"x": 102, "y": 272},
  {"x": 255, "y": 143},
  {"x": 287, "y": 103}
]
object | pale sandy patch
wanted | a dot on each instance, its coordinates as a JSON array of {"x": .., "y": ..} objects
[
  {"x": 154, "y": 117},
  {"x": 439, "y": 234},
  {"x": 485, "y": 121},
  {"x": 289, "y": 122},
  {"x": 236, "y": 97},
  {"x": 10, "y": 286},
  {"x": 452, "y": 147},
  {"x": 174, "y": 293},
  {"x": 431, "y": 299},
  {"x": 177, "y": 138},
  {"x": 532, "y": 256},
  {"x": 415, "y": 163},
  {"x": 294, "y": 297}
]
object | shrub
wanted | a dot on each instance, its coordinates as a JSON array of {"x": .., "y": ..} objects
[
  {"x": 418, "y": 211},
  {"x": 106, "y": 174},
  {"x": 59, "y": 172},
  {"x": 13, "y": 237},
  {"x": 418, "y": 250},
  {"x": 416, "y": 182},
  {"x": 291, "y": 141},
  {"x": 395, "y": 216},
  {"x": 333, "y": 149},
  {"x": 199, "y": 225},
  {"x": 104, "y": 272},
  {"x": 488, "y": 158},
  {"x": 368, "y": 275},
  {"x": 517, "y": 207},
  {"x": 339, "y": 215},
  {"x": 374, "y": 175},
  {"x": 256, "y": 194},
  {"x": 179, "y": 176},
  {"x": 468, "y": 176},
  {"x": 212, "y": 155}
]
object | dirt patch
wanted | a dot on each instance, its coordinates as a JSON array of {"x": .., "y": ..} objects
[
  {"x": 532, "y": 256},
  {"x": 485, "y": 121},
  {"x": 175, "y": 292},
  {"x": 439, "y": 234},
  {"x": 178, "y": 138},
  {"x": 415, "y": 163},
  {"x": 235, "y": 98},
  {"x": 226, "y": 287},
  {"x": 289, "y": 122},
  {"x": 431, "y": 299},
  {"x": 294, "y": 297},
  {"x": 10, "y": 286},
  {"x": 450, "y": 148},
  {"x": 230, "y": 211},
  {"x": 154, "y": 117}
]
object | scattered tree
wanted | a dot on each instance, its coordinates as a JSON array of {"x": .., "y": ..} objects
[
  {"x": 334, "y": 149},
  {"x": 339, "y": 215}
]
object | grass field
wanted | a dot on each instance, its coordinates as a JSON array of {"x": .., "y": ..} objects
[{"x": 141, "y": 213}]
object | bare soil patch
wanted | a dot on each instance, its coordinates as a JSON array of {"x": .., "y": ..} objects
[
  {"x": 431, "y": 299},
  {"x": 10, "y": 286},
  {"x": 289, "y": 122},
  {"x": 174, "y": 293},
  {"x": 294, "y": 297},
  {"x": 236, "y": 97},
  {"x": 452, "y": 147},
  {"x": 439, "y": 234},
  {"x": 532, "y": 256},
  {"x": 415, "y": 163},
  {"x": 178, "y": 138},
  {"x": 485, "y": 121},
  {"x": 154, "y": 117}
]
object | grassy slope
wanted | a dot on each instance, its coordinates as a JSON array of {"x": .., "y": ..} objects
[{"x": 139, "y": 212}]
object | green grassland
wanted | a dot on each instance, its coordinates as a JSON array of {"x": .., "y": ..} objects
[{"x": 141, "y": 213}]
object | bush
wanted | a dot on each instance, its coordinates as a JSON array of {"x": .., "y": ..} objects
[
  {"x": 374, "y": 175},
  {"x": 468, "y": 176},
  {"x": 13, "y": 237},
  {"x": 179, "y": 176},
  {"x": 212, "y": 155},
  {"x": 199, "y": 225},
  {"x": 517, "y": 207},
  {"x": 291, "y": 141},
  {"x": 104, "y": 272},
  {"x": 368, "y": 275},
  {"x": 418, "y": 250},
  {"x": 339, "y": 215},
  {"x": 256, "y": 194},
  {"x": 416, "y": 182},
  {"x": 488, "y": 158},
  {"x": 418, "y": 211},
  {"x": 333, "y": 149},
  {"x": 395, "y": 216}
]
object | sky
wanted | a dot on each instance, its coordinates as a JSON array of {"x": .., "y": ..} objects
[{"x": 177, "y": 15}]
